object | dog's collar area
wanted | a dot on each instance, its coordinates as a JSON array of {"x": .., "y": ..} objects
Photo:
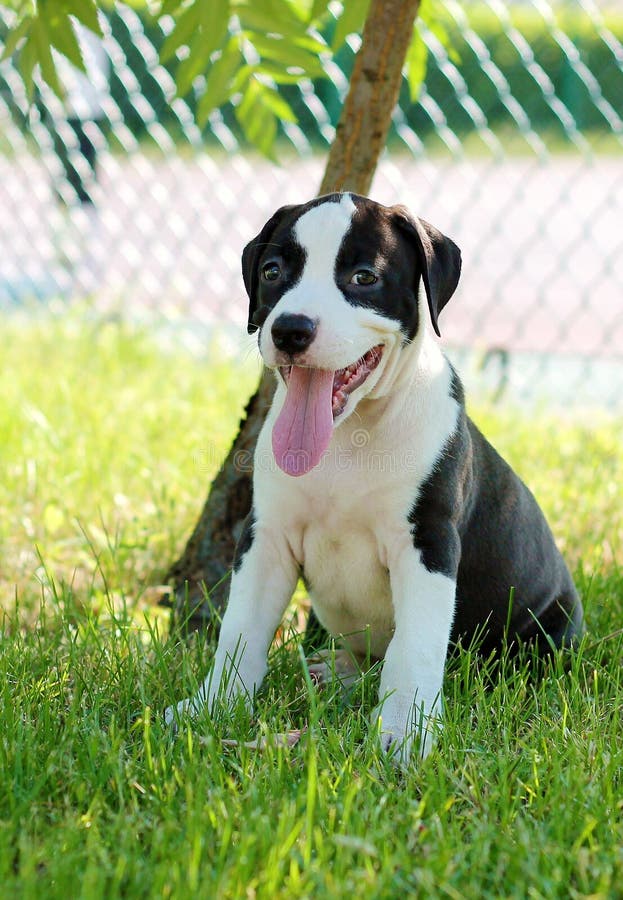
[{"x": 348, "y": 379}]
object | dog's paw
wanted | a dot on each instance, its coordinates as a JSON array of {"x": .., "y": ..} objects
[
  {"x": 329, "y": 666},
  {"x": 402, "y": 746},
  {"x": 403, "y": 734},
  {"x": 185, "y": 709}
]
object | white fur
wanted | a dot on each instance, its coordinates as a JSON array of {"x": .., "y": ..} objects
[
  {"x": 410, "y": 690},
  {"x": 345, "y": 522}
]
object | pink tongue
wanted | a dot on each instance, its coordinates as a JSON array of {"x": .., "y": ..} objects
[{"x": 303, "y": 430}]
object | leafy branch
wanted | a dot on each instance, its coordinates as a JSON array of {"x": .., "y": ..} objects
[{"x": 238, "y": 51}]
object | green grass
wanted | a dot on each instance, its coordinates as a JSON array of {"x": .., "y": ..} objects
[{"x": 108, "y": 445}]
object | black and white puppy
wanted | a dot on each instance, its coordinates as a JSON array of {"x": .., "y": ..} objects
[{"x": 370, "y": 481}]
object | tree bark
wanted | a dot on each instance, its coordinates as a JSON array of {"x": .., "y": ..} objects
[{"x": 200, "y": 576}]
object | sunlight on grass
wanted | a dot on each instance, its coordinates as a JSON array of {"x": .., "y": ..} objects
[
  {"x": 109, "y": 445},
  {"x": 109, "y": 442}
]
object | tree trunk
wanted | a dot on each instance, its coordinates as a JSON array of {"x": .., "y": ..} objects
[
  {"x": 364, "y": 123},
  {"x": 360, "y": 138}
]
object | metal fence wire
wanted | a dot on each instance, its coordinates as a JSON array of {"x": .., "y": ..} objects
[{"x": 514, "y": 149}]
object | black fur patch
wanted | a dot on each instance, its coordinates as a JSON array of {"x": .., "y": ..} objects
[
  {"x": 245, "y": 541},
  {"x": 456, "y": 388},
  {"x": 433, "y": 517},
  {"x": 474, "y": 520},
  {"x": 373, "y": 243},
  {"x": 290, "y": 257}
]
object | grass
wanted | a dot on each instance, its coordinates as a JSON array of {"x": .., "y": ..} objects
[{"x": 108, "y": 444}]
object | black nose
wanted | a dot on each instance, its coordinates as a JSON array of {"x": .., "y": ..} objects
[{"x": 293, "y": 333}]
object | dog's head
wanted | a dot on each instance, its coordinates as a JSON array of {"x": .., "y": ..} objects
[{"x": 333, "y": 287}]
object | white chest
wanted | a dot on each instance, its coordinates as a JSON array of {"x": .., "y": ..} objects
[
  {"x": 348, "y": 583},
  {"x": 342, "y": 519}
]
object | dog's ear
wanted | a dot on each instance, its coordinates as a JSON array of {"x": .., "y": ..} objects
[
  {"x": 251, "y": 257},
  {"x": 439, "y": 258}
]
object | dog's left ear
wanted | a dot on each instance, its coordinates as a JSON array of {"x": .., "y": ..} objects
[
  {"x": 439, "y": 257},
  {"x": 251, "y": 257}
]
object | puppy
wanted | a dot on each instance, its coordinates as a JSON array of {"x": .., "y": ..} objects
[{"x": 369, "y": 479}]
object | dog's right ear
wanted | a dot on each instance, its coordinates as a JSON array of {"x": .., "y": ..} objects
[
  {"x": 251, "y": 257},
  {"x": 440, "y": 260}
]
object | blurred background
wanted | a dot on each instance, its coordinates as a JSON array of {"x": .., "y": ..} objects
[{"x": 514, "y": 149}]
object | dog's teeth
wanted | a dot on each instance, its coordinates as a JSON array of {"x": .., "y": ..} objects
[
  {"x": 338, "y": 400},
  {"x": 346, "y": 380}
]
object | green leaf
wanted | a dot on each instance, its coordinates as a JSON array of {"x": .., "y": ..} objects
[
  {"x": 257, "y": 117},
  {"x": 196, "y": 62},
  {"x": 273, "y": 100},
  {"x": 311, "y": 43},
  {"x": 241, "y": 78},
  {"x": 202, "y": 28},
  {"x": 190, "y": 68},
  {"x": 415, "y": 64},
  {"x": 15, "y": 36},
  {"x": 169, "y": 7},
  {"x": 52, "y": 27},
  {"x": 438, "y": 28},
  {"x": 260, "y": 129},
  {"x": 271, "y": 19},
  {"x": 290, "y": 55},
  {"x": 21, "y": 7},
  {"x": 219, "y": 80},
  {"x": 27, "y": 61},
  {"x": 213, "y": 23},
  {"x": 426, "y": 12},
  {"x": 44, "y": 57},
  {"x": 62, "y": 36},
  {"x": 436, "y": 20},
  {"x": 351, "y": 21},
  {"x": 319, "y": 8},
  {"x": 258, "y": 20},
  {"x": 249, "y": 99},
  {"x": 282, "y": 16},
  {"x": 186, "y": 25},
  {"x": 85, "y": 11},
  {"x": 277, "y": 73}
]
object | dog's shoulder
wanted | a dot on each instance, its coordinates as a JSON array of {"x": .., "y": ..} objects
[{"x": 443, "y": 494}]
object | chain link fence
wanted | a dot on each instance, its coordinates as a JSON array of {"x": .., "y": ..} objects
[{"x": 515, "y": 149}]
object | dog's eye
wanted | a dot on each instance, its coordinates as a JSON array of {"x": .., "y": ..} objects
[
  {"x": 271, "y": 272},
  {"x": 364, "y": 277}
]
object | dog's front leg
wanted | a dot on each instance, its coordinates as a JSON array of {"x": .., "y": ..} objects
[
  {"x": 263, "y": 581},
  {"x": 410, "y": 699}
]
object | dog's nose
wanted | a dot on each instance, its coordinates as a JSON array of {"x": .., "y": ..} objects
[{"x": 292, "y": 333}]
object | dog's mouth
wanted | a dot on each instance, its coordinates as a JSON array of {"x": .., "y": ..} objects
[
  {"x": 346, "y": 380},
  {"x": 315, "y": 398}
]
